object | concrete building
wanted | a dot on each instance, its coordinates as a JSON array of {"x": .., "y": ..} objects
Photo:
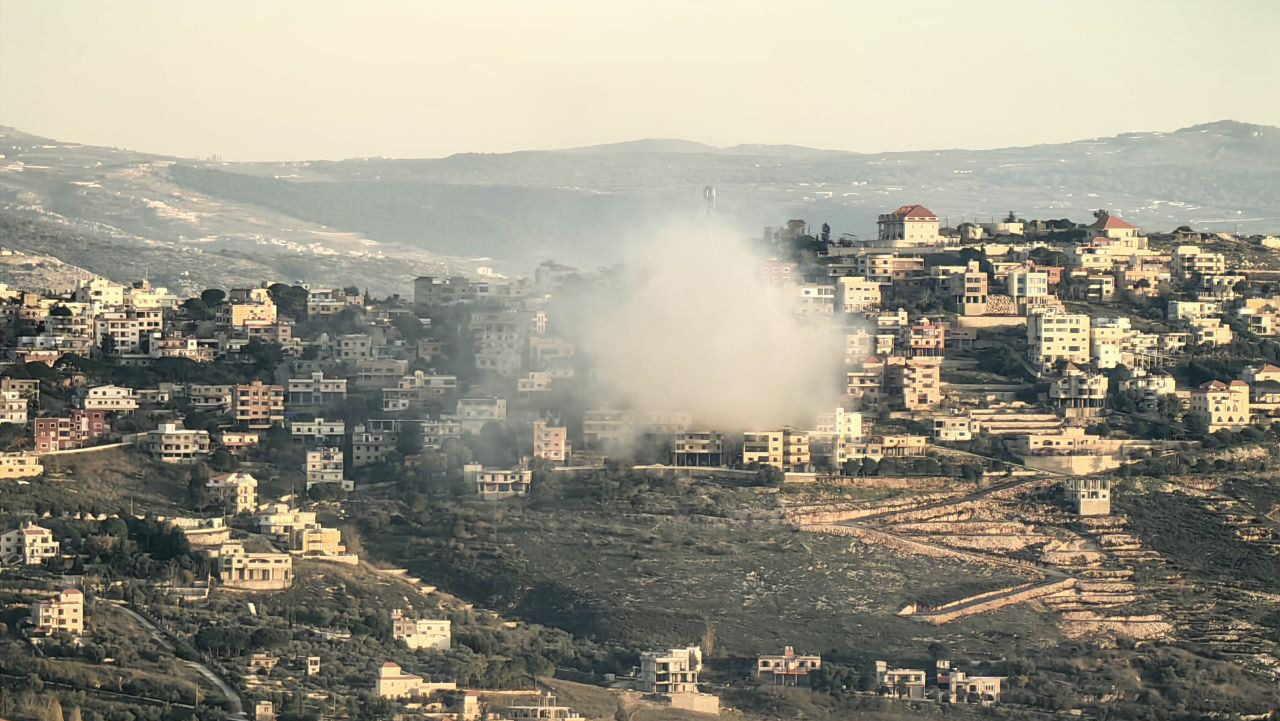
[
  {"x": 922, "y": 338},
  {"x": 314, "y": 539},
  {"x": 494, "y": 484},
  {"x": 1079, "y": 394},
  {"x": 900, "y": 682},
  {"x": 237, "y": 491},
  {"x": 787, "y": 449},
  {"x": 325, "y": 465},
  {"x": 915, "y": 383},
  {"x": 960, "y": 687},
  {"x": 315, "y": 391},
  {"x": 1191, "y": 260},
  {"x": 1090, "y": 496},
  {"x": 909, "y": 226},
  {"x": 787, "y": 669},
  {"x": 380, "y": 372},
  {"x": 394, "y": 683},
  {"x": 28, "y": 545},
  {"x": 888, "y": 267},
  {"x": 210, "y": 398},
  {"x": 698, "y": 448},
  {"x": 550, "y": 442},
  {"x": 317, "y": 431},
  {"x": 13, "y": 407},
  {"x": 1224, "y": 406},
  {"x": 968, "y": 290},
  {"x": 370, "y": 446},
  {"x": 429, "y": 291},
  {"x": 241, "y": 570},
  {"x": 856, "y": 295},
  {"x": 109, "y": 398},
  {"x": 20, "y": 465},
  {"x": 673, "y": 671},
  {"x": 420, "y": 633},
  {"x": 1055, "y": 337},
  {"x": 170, "y": 443},
  {"x": 75, "y": 430},
  {"x": 279, "y": 520},
  {"x": 257, "y": 406},
  {"x": 62, "y": 614},
  {"x": 474, "y": 413}
]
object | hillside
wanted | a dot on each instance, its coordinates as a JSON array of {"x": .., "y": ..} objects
[{"x": 380, "y": 222}]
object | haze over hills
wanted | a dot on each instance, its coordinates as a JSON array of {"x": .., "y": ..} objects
[{"x": 379, "y": 222}]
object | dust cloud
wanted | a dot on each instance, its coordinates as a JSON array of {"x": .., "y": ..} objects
[{"x": 694, "y": 326}]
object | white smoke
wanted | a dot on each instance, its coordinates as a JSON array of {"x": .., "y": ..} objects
[{"x": 695, "y": 327}]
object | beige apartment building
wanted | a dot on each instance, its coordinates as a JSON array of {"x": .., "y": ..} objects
[
  {"x": 914, "y": 382},
  {"x": 855, "y": 294},
  {"x": 257, "y": 406},
  {"x": 910, "y": 226},
  {"x": 169, "y": 443},
  {"x": 394, "y": 683},
  {"x": 1053, "y": 337},
  {"x": 1190, "y": 260},
  {"x": 315, "y": 391},
  {"x": 112, "y": 399},
  {"x": 550, "y": 442},
  {"x": 379, "y": 372},
  {"x": 13, "y": 407},
  {"x": 238, "y": 491},
  {"x": 241, "y": 570},
  {"x": 900, "y": 682},
  {"x": 19, "y": 465},
  {"x": 419, "y": 633},
  {"x": 698, "y": 448},
  {"x": 495, "y": 484},
  {"x": 62, "y": 614},
  {"x": 672, "y": 671},
  {"x": 28, "y": 545},
  {"x": 317, "y": 431},
  {"x": 1079, "y": 394},
  {"x": 787, "y": 449},
  {"x": 787, "y": 669},
  {"x": 314, "y": 539},
  {"x": 968, "y": 290},
  {"x": 325, "y": 465},
  {"x": 474, "y": 413},
  {"x": 1224, "y": 406},
  {"x": 370, "y": 446}
]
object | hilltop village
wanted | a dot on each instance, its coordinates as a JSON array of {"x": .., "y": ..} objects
[{"x": 284, "y": 501}]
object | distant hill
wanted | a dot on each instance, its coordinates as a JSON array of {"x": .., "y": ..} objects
[{"x": 382, "y": 221}]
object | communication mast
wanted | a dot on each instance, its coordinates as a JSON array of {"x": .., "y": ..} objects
[{"x": 709, "y": 195}]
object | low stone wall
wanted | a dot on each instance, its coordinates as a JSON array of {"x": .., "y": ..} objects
[
  {"x": 992, "y": 601},
  {"x": 880, "y": 538}
]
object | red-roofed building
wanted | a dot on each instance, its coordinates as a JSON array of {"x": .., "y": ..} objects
[
  {"x": 1110, "y": 226},
  {"x": 910, "y": 226}
]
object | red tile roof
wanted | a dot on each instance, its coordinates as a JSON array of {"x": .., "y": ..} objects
[
  {"x": 1111, "y": 222},
  {"x": 915, "y": 211}
]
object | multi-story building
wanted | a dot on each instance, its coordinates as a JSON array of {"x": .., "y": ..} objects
[
  {"x": 916, "y": 382},
  {"x": 246, "y": 571},
  {"x": 112, "y": 399},
  {"x": 1151, "y": 386},
  {"x": 127, "y": 329},
  {"x": 1224, "y": 406},
  {"x": 493, "y": 484},
  {"x": 550, "y": 442},
  {"x": 672, "y": 671},
  {"x": 431, "y": 291},
  {"x": 279, "y": 520},
  {"x": 910, "y": 226},
  {"x": 170, "y": 443},
  {"x": 314, "y": 539},
  {"x": 325, "y": 465},
  {"x": 74, "y": 431},
  {"x": 787, "y": 449},
  {"x": 257, "y": 406},
  {"x": 28, "y": 545},
  {"x": 1090, "y": 496},
  {"x": 369, "y": 446},
  {"x": 315, "y": 391},
  {"x": 855, "y": 294},
  {"x": 1190, "y": 260},
  {"x": 1078, "y": 394},
  {"x": 379, "y": 372},
  {"x": 254, "y": 309},
  {"x": 416, "y": 388},
  {"x": 13, "y": 407},
  {"x": 968, "y": 290},
  {"x": 474, "y": 413},
  {"x": 888, "y": 267},
  {"x": 900, "y": 682},
  {"x": 62, "y": 614},
  {"x": 210, "y": 398},
  {"x": 1210, "y": 331},
  {"x": 698, "y": 448},
  {"x": 813, "y": 300},
  {"x": 788, "y": 668},
  {"x": 922, "y": 338},
  {"x": 318, "y": 431},
  {"x": 394, "y": 683},
  {"x": 353, "y": 348},
  {"x": 1023, "y": 284},
  {"x": 1055, "y": 337},
  {"x": 237, "y": 491},
  {"x": 419, "y": 633},
  {"x": 19, "y": 465}
]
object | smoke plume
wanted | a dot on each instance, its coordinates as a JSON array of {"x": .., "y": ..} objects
[{"x": 695, "y": 327}]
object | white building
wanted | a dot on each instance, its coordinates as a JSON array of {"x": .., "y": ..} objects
[
  {"x": 1054, "y": 337},
  {"x": 28, "y": 545},
  {"x": 419, "y": 633}
]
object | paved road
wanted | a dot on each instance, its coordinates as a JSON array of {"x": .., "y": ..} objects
[{"x": 233, "y": 699}]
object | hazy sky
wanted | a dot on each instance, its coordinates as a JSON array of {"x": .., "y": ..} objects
[{"x": 263, "y": 79}]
